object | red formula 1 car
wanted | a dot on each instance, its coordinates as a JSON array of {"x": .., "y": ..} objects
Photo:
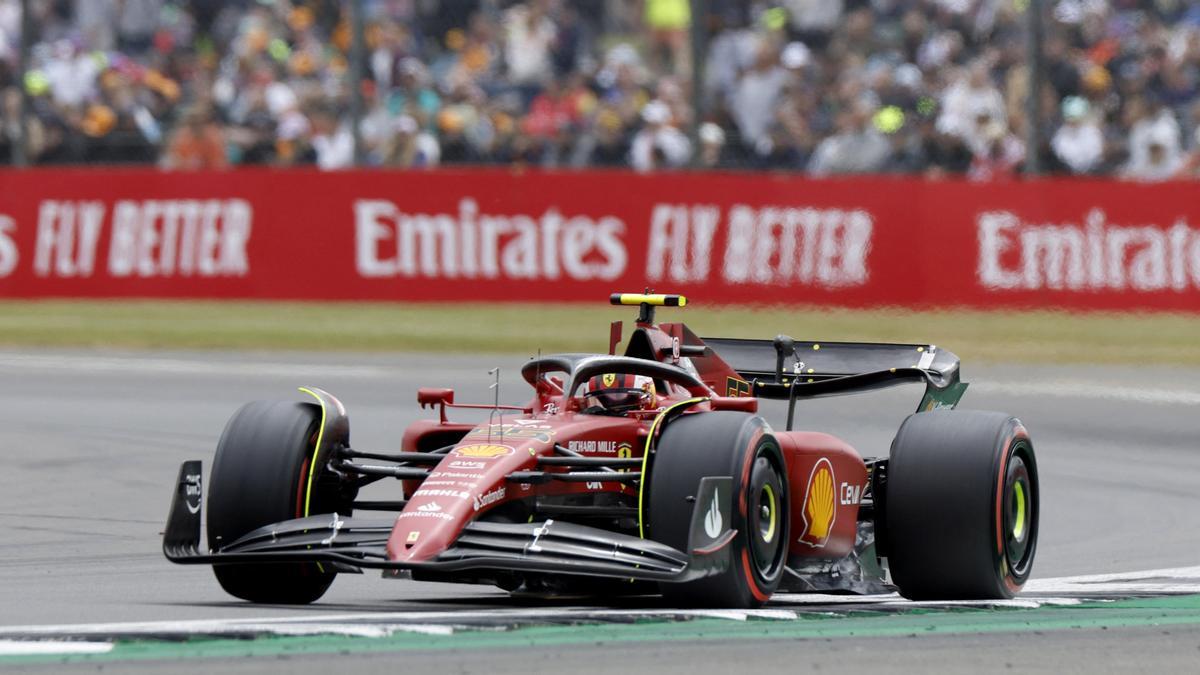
[{"x": 645, "y": 472}]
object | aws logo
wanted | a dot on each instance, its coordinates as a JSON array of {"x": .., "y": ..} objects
[
  {"x": 820, "y": 509},
  {"x": 483, "y": 451}
]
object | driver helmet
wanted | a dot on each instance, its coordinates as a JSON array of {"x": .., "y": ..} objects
[{"x": 617, "y": 392}]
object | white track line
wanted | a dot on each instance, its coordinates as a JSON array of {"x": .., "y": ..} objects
[
  {"x": 894, "y": 600},
  {"x": 1064, "y": 591},
  {"x": 1090, "y": 390},
  {"x": 430, "y": 622},
  {"x": 95, "y": 364},
  {"x": 54, "y": 647},
  {"x": 180, "y": 366}
]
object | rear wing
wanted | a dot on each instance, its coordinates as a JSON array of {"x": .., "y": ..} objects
[{"x": 784, "y": 368}]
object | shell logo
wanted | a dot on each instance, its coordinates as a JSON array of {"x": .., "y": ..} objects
[
  {"x": 820, "y": 509},
  {"x": 483, "y": 451}
]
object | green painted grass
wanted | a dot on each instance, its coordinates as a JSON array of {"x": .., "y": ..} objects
[{"x": 1010, "y": 337}]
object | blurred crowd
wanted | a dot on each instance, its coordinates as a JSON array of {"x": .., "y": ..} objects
[{"x": 824, "y": 87}]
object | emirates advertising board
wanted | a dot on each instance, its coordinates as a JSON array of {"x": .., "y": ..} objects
[{"x": 498, "y": 235}]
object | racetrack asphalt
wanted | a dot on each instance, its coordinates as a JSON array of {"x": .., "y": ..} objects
[{"x": 92, "y": 443}]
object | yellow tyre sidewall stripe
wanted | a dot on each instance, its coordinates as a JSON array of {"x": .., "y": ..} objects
[
  {"x": 646, "y": 459},
  {"x": 312, "y": 466}
]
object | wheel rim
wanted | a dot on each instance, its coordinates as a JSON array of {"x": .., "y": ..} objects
[
  {"x": 768, "y": 512},
  {"x": 1020, "y": 516},
  {"x": 766, "y": 517}
]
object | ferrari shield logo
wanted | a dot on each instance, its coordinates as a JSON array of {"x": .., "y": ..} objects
[
  {"x": 483, "y": 451},
  {"x": 819, "y": 509},
  {"x": 609, "y": 379}
]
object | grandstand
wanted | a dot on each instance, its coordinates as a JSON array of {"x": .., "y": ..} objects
[{"x": 819, "y": 87}]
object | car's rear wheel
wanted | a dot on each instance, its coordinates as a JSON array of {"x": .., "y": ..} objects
[
  {"x": 723, "y": 444},
  {"x": 962, "y": 506},
  {"x": 261, "y": 475}
]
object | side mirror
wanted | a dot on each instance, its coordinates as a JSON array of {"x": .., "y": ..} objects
[
  {"x": 740, "y": 404},
  {"x": 427, "y": 397}
]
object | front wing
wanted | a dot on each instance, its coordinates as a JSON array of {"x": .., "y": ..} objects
[{"x": 352, "y": 544}]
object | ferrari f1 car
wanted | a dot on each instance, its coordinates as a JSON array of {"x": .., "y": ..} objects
[{"x": 649, "y": 471}]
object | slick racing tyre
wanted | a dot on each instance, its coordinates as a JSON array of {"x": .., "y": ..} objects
[
  {"x": 962, "y": 506},
  {"x": 261, "y": 476},
  {"x": 724, "y": 443}
]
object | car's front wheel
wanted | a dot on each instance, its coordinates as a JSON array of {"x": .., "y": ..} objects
[
  {"x": 733, "y": 444},
  {"x": 264, "y": 472}
]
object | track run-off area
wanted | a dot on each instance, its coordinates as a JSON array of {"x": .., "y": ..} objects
[{"x": 93, "y": 442}]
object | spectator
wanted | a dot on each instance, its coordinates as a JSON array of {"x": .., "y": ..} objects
[
  {"x": 1078, "y": 143},
  {"x": 970, "y": 105},
  {"x": 332, "y": 140},
  {"x": 794, "y": 117},
  {"x": 712, "y": 146},
  {"x": 857, "y": 147},
  {"x": 1191, "y": 163},
  {"x": 96, "y": 20},
  {"x": 998, "y": 157},
  {"x": 667, "y": 22},
  {"x": 1154, "y": 144},
  {"x": 753, "y": 101},
  {"x": 607, "y": 145},
  {"x": 137, "y": 23},
  {"x": 530, "y": 36},
  {"x": 1155, "y": 162},
  {"x": 659, "y": 145},
  {"x": 814, "y": 20},
  {"x": 197, "y": 144},
  {"x": 558, "y": 82},
  {"x": 907, "y": 154},
  {"x": 10, "y": 132},
  {"x": 409, "y": 147}
]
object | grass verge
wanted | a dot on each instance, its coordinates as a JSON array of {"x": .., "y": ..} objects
[{"x": 1010, "y": 337}]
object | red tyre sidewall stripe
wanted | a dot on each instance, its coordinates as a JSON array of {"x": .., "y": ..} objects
[
  {"x": 304, "y": 570},
  {"x": 746, "y": 467},
  {"x": 752, "y": 578},
  {"x": 1018, "y": 433},
  {"x": 1000, "y": 496},
  {"x": 300, "y": 488}
]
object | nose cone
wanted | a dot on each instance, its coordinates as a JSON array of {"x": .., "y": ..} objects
[
  {"x": 428, "y": 525},
  {"x": 467, "y": 481}
]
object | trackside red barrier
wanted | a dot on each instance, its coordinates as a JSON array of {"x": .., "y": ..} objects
[{"x": 496, "y": 235}]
